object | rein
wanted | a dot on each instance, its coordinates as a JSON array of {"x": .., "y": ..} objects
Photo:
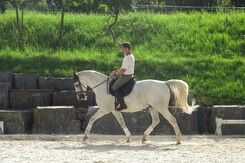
[
  {"x": 101, "y": 83},
  {"x": 107, "y": 80}
]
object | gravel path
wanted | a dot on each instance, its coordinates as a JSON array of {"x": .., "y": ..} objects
[{"x": 108, "y": 148}]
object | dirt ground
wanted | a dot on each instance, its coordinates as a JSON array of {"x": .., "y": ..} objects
[{"x": 108, "y": 148}]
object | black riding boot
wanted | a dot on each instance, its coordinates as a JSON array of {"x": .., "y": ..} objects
[{"x": 121, "y": 101}]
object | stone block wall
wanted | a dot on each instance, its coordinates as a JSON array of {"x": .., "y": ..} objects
[
  {"x": 20, "y": 91},
  {"x": 30, "y": 98},
  {"x": 201, "y": 121},
  {"x": 55, "y": 120},
  {"x": 68, "y": 97},
  {"x": 6, "y": 77},
  {"x": 4, "y": 94},
  {"x": 16, "y": 121},
  {"x": 21, "y": 94},
  {"x": 56, "y": 84},
  {"x": 26, "y": 81},
  {"x": 31, "y": 103},
  {"x": 6, "y": 83},
  {"x": 138, "y": 122}
]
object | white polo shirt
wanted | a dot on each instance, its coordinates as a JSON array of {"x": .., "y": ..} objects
[{"x": 128, "y": 64}]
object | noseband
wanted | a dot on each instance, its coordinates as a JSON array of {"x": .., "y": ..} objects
[{"x": 83, "y": 94}]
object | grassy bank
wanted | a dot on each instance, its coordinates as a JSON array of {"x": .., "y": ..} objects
[{"x": 206, "y": 50}]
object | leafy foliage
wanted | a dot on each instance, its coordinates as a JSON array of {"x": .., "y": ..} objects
[{"x": 204, "y": 49}]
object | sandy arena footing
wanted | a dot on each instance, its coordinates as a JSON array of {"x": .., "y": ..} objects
[{"x": 110, "y": 148}]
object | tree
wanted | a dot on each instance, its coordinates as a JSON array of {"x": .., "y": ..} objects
[
  {"x": 113, "y": 8},
  {"x": 62, "y": 11},
  {"x": 223, "y": 3},
  {"x": 63, "y": 6},
  {"x": 147, "y": 2},
  {"x": 3, "y": 6},
  {"x": 19, "y": 6}
]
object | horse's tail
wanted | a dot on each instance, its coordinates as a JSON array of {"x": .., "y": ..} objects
[{"x": 180, "y": 91}]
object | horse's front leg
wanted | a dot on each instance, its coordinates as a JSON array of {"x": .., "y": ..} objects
[
  {"x": 120, "y": 120},
  {"x": 100, "y": 113}
]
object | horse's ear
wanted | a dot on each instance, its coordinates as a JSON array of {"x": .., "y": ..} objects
[{"x": 75, "y": 77}]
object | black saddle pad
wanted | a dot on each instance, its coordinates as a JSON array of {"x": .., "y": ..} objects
[{"x": 125, "y": 89}]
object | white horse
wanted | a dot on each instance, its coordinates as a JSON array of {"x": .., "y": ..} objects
[{"x": 152, "y": 94}]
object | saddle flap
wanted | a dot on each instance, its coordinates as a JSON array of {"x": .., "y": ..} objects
[{"x": 124, "y": 90}]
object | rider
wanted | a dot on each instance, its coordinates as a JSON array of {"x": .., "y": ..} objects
[{"x": 126, "y": 73}]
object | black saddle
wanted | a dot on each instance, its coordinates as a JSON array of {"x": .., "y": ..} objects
[{"x": 124, "y": 90}]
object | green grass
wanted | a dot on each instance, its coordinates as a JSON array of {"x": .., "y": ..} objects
[{"x": 207, "y": 50}]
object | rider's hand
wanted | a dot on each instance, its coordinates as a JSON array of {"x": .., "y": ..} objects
[{"x": 112, "y": 74}]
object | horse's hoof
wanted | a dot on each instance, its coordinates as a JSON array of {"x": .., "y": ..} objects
[
  {"x": 128, "y": 140},
  {"x": 178, "y": 143},
  {"x": 144, "y": 139},
  {"x": 85, "y": 137}
]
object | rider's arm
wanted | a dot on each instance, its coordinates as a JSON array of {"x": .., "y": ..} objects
[
  {"x": 113, "y": 73},
  {"x": 117, "y": 72},
  {"x": 120, "y": 71}
]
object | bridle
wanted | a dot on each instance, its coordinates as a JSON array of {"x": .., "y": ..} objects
[{"x": 83, "y": 94}]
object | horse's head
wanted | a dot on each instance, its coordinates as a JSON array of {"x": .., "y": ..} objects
[
  {"x": 80, "y": 88},
  {"x": 85, "y": 79}
]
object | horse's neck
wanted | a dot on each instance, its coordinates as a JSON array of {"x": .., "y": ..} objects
[
  {"x": 101, "y": 90},
  {"x": 95, "y": 80}
]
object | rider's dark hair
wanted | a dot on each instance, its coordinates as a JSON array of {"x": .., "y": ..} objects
[{"x": 126, "y": 45}]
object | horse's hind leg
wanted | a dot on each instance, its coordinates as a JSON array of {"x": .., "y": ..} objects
[
  {"x": 155, "y": 121},
  {"x": 100, "y": 113},
  {"x": 121, "y": 121},
  {"x": 172, "y": 120}
]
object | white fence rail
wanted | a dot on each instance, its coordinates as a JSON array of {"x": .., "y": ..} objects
[{"x": 220, "y": 121}]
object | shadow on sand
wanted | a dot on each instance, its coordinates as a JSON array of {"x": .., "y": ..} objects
[{"x": 112, "y": 146}]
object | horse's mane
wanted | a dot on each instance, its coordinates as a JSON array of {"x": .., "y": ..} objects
[{"x": 91, "y": 72}]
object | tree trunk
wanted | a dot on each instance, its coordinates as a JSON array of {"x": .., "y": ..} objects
[
  {"x": 20, "y": 26},
  {"x": 22, "y": 29},
  {"x": 60, "y": 41},
  {"x": 3, "y": 8},
  {"x": 115, "y": 16}
]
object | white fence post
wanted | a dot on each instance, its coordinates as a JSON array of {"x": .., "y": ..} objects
[
  {"x": 1, "y": 127},
  {"x": 218, "y": 126}
]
